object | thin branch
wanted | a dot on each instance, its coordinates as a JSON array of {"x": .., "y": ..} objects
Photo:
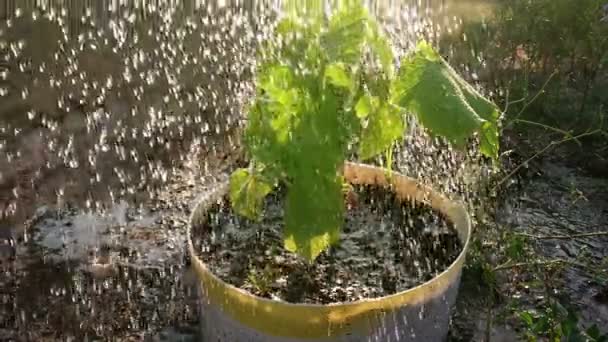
[
  {"x": 547, "y": 127},
  {"x": 563, "y": 237},
  {"x": 514, "y": 102},
  {"x": 506, "y": 100},
  {"x": 510, "y": 265},
  {"x": 509, "y": 103},
  {"x": 538, "y": 94},
  {"x": 545, "y": 149}
]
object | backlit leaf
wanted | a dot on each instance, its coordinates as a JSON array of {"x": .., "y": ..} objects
[
  {"x": 345, "y": 36},
  {"x": 381, "y": 47},
  {"x": 338, "y": 76},
  {"x": 445, "y": 103},
  {"x": 306, "y": 8},
  {"x": 385, "y": 126},
  {"x": 314, "y": 214},
  {"x": 527, "y": 318},
  {"x": 247, "y": 192},
  {"x": 489, "y": 140},
  {"x": 366, "y": 105},
  {"x": 595, "y": 335}
]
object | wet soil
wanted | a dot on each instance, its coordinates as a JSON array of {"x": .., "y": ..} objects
[
  {"x": 386, "y": 246},
  {"x": 551, "y": 199},
  {"x": 116, "y": 276},
  {"x": 565, "y": 201}
]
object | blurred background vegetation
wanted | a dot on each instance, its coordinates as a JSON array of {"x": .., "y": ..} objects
[{"x": 544, "y": 61}]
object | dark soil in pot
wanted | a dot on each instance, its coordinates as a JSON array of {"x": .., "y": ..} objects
[{"x": 386, "y": 247}]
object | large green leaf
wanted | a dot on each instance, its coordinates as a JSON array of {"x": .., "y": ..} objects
[
  {"x": 314, "y": 214},
  {"x": 247, "y": 192},
  {"x": 384, "y": 126},
  {"x": 445, "y": 103},
  {"x": 489, "y": 140}
]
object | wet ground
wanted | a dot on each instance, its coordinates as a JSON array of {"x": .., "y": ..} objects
[
  {"x": 120, "y": 277},
  {"x": 557, "y": 209},
  {"x": 558, "y": 212},
  {"x": 84, "y": 133},
  {"x": 123, "y": 276},
  {"x": 96, "y": 140}
]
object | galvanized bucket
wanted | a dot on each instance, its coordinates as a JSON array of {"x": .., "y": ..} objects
[{"x": 418, "y": 314}]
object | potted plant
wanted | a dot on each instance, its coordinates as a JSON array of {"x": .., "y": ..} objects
[{"x": 328, "y": 90}]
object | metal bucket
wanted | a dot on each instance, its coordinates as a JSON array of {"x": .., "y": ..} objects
[{"x": 421, "y": 313}]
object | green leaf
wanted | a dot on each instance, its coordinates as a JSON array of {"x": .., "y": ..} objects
[
  {"x": 273, "y": 114},
  {"x": 277, "y": 85},
  {"x": 337, "y": 76},
  {"x": 287, "y": 27},
  {"x": 569, "y": 325},
  {"x": 516, "y": 248},
  {"x": 489, "y": 139},
  {"x": 604, "y": 60},
  {"x": 561, "y": 311},
  {"x": 595, "y": 335},
  {"x": 366, "y": 105},
  {"x": 385, "y": 125},
  {"x": 377, "y": 85},
  {"x": 542, "y": 325},
  {"x": 445, "y": 103},
  {"x": 247, "y": 192},
  {"x": 527, "y": 318},
  {"x": 314, "y": 214},
  {"x": 574, "y": 337},
  {"x": 381, "y": 47},
  {"x": 308, "y": 8},
  {"x": 345, "y": 36},
  {"x": 489, "y": 133}
]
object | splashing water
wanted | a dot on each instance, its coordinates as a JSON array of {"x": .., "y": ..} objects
[{"x": 112, "y": 115}]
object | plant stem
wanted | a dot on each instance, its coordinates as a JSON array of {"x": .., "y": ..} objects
[
  {"x": 389, "y": 162},
  {"x": 588, "y": 83},
  {"x": 547, "y": 127},
  {"x": 509, "y": 265},
  {"x": 563, "y": 237},
  {"x": 538, "y": 94},
  {"x": 545, "y": 149},
  {"x": 489, "y": 323},
  {"x": 512, "y": 103}
]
